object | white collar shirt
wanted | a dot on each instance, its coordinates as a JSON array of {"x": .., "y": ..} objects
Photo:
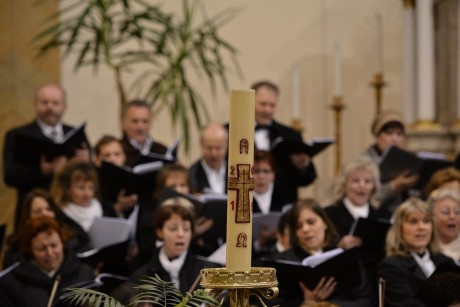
[
  {"x": 56, "y": 133},
  {"x": 144, "y": 149},
  {"x": 356, "y": 211},
  {"x": 216, "y": 178},
  {"x": 264, "y": 200}
]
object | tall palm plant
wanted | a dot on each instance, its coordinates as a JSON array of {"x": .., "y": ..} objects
[{"x": 135, "y": 35}]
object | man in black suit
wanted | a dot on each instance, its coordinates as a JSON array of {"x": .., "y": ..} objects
[
  {"x": 136, "y": 121},
  {"x": 293, "y": 171},
  {"x": 50, "y": 105},
  {"x": 209, "y": 174}
]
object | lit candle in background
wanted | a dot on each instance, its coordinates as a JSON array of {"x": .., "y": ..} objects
[
  {"x": 240, "y": 180},
  {"x": 379, "y": 43},
  {"x": 337, "y": 71},
  {"x": 295, "y": 93}
]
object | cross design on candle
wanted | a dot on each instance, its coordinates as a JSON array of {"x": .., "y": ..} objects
[{"x": 242, "y": 183}]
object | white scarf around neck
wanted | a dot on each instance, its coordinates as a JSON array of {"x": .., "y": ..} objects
[
  {"x": 173, "y": 267},
  {"x": 84, "y": 216}
]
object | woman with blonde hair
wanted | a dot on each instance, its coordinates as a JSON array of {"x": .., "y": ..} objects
[
  {"x": 412, "y": 253},
  {"x": 445, "y": 205},
  {"x": 353, "y": 198},
  {"x": 354, "y": 193}
]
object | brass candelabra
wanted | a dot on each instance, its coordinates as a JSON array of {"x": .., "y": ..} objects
[
  {"x": 338, "y": 106},
  {"x": 297, "y": 124},
  {"x": 378, "y": 84},
  {"x": 260, "y": 283}
]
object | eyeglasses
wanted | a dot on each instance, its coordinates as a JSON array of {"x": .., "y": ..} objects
[
  {"x": 447, "y": 211},
  {"x": 262, "y": 171}
]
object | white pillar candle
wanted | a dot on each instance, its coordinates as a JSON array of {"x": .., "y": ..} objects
[
  {"x": 337, "y": 71},
  {"x": 378, "y": 44},
  {"x": 240, "y": 180}
]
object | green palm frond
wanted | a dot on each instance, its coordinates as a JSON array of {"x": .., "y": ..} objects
[
  {"x": 158, "y": 292},
  {"x": 90, "y": 298},
  {"x": 153, "y": 290},
  {"x": 198, "y": 297}
]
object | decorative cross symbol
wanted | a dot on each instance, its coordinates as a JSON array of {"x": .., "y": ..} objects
[{"x": 243, "y": 183}]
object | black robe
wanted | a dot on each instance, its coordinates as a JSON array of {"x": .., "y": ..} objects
[
  {"x": 26, "y": 285},
  {"x": 343, "y": 220},
  {"x": 133, "y": 154},
  {"x": 25, "y": 177},
  {"x": 187, "y": 275},
  {"x": 403, "y": 279},
  {"x": 198, "y": 179}
]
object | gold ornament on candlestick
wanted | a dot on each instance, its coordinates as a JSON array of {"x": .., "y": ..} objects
[
  {"x": 238, "y": 277},
  {"x": 457, "y": 124},
  {"x": 409, "y": 3},
  {"x": 378, "y": 84},
  {"x": 337, "y": 106},
  {"x": 258, "y": 282},
  {"x": 427, "y": 125},
  {"x": 297, "y": 125}
]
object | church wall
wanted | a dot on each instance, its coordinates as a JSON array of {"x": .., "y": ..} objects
[{"x": 272, "y": 38}]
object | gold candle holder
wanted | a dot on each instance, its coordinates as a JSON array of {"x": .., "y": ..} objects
[
  {"x": 338, "y": 106},
  {"x": 260, "y": 283},
  {"x": 378, "y": 84}
]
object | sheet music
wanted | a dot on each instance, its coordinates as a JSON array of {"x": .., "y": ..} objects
[
  {"x": 132, "y": 220},
  {"x": 9, "y": 269},
  {"x": 315, "y": 260},
  {"x": 171, "y": 152},
  {"x": 147, "y": 167},
  {"x": 353, "y": 227},
  {"x": 107, "y": 231},
  {"x": 431, "y": 155},
  {"x": 219, "y": 255}
]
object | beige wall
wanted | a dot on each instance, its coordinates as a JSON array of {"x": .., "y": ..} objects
[
  {"x": 20, "y": 74},
  {"x": 272, "y": 37}
]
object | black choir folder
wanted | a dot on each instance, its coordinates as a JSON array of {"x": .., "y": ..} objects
[
  {"x": 373, "y": 232},
  {"x": 342, "y": 265},
  {"x": 30, "y": 148},
  {"x": 431, "y": 163},
  {"x": 139, "y": 179},
  {"x": 110, "y": 241},
  {"x": 170, "y": 155},
  {"x": 396, "y": 161},
  {"x": 282, "y": 147}
]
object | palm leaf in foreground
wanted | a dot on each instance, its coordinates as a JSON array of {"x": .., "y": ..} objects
[
  {"x": 153, "y": 290},
  {"x": 90, "y": 298}
]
